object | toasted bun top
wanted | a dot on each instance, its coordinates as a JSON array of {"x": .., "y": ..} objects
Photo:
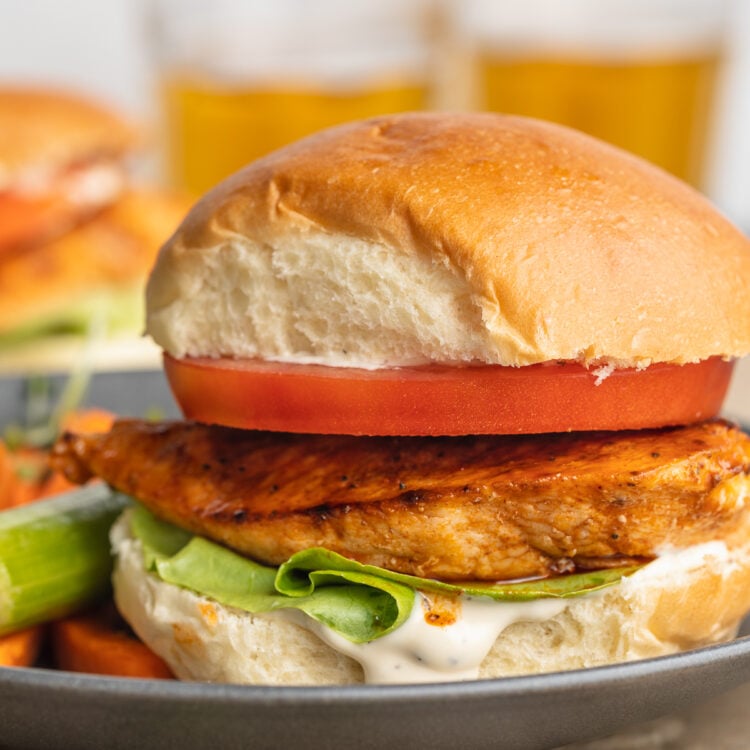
[
  {"x": 43, "y": 130},
  {"x": 453, "y": 237}
]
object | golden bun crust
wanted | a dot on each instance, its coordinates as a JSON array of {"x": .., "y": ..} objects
[
  {"x": 683, "y": 600},
  {"x": 539, "y": 243},
  {"x": 50, "y": 130}
]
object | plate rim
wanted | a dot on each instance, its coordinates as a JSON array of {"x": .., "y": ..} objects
[{"x": 734, "y": 651}]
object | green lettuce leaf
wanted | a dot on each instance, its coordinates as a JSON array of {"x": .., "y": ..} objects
[
  {"x": 305, "y": 569},
  {"x": 359, "y": 606},
  {"x": 360, "y": 602}
]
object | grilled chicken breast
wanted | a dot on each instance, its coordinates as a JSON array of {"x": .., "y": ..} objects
[{"x": 482, "y": 508}]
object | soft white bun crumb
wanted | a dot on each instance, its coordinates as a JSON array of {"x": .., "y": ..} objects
[
  {"x": 683, "y": 600},
  {"x": 322, "y": 298}
]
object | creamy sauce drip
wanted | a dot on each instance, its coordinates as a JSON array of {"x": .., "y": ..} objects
[{"x": 419, "y": 651}]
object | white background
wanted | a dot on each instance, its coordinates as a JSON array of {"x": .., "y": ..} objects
[{"x": 101, "y": 46}]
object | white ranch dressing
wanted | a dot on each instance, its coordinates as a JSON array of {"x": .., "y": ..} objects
[{"x": 420, "y": 651}]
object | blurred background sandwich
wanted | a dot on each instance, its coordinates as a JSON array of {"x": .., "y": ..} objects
[{"x": 77, "y": 234}]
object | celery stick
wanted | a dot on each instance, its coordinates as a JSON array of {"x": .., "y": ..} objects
[{"x": 55, "y": 555}]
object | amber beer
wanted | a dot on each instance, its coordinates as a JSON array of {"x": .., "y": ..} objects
[
  {"x": 642, "y": 74},
  {"x": 214, "y": 129},
  {"x": 240, "y": 78},
  {"x": 659, "y": 109}
]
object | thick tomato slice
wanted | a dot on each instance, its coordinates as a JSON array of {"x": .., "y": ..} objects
[{"x": 443, "y": 400}]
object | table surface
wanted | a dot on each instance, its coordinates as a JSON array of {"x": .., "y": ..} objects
[{"x": 721, "y": 724}]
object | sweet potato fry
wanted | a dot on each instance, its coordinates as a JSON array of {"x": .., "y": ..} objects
[
  {"x": 92, "y": 643},
  {"x": 20, "y": 649}
]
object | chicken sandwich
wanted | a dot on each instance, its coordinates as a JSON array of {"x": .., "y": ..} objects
[{"x": 453, "y": 385}]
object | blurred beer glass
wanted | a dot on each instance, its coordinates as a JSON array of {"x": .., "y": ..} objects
[
  {"x": 239, "y": 78},
  {"x": 641, "y": 74}
]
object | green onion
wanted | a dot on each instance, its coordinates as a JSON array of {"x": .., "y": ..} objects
[{"x": 55, "y": 555}]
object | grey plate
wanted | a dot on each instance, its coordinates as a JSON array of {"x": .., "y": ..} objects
[
  {"x": 46, "y": 709},
  {"x": 126, "y": 393}
]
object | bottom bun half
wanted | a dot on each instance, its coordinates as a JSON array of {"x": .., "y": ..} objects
[{"x": 683, "y": 600}]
